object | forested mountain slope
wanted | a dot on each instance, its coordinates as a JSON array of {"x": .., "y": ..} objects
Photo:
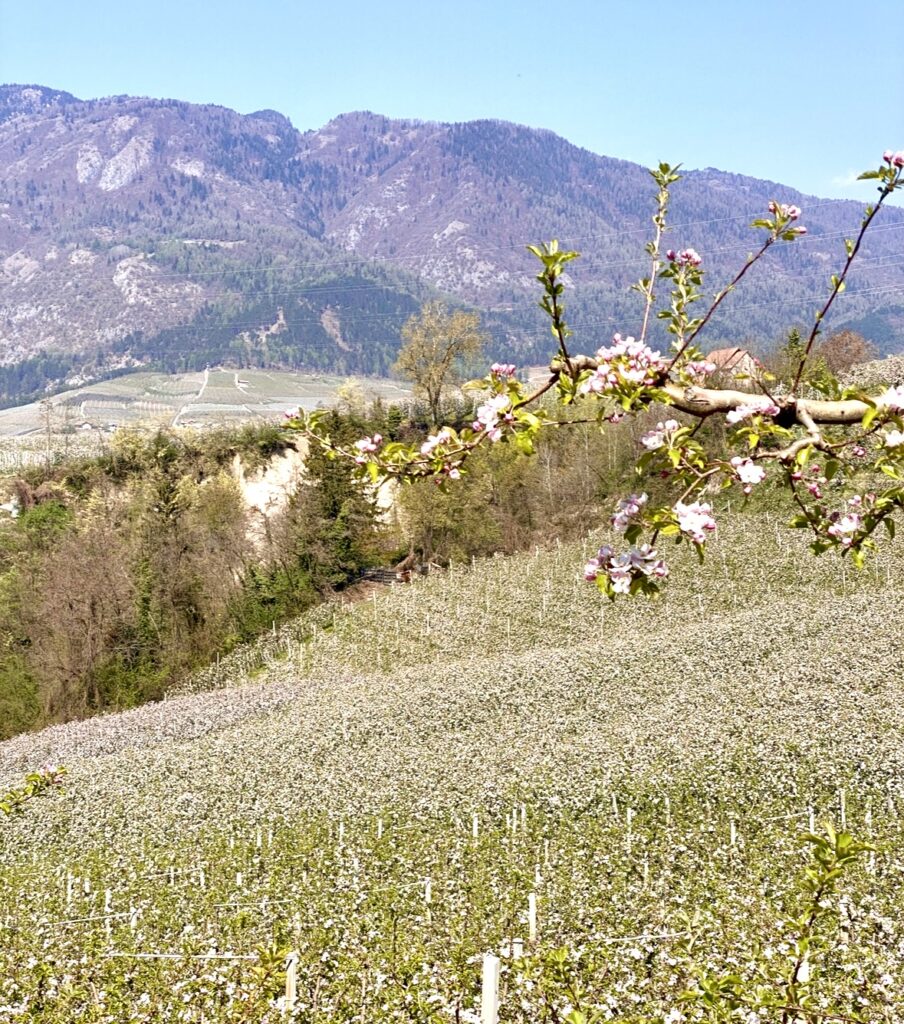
[{"x": 141, "y": 231}]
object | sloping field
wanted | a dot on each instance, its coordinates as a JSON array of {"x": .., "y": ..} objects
[
  {"x": 645, "y": 770},
  {"x": 215, "y": 396}
]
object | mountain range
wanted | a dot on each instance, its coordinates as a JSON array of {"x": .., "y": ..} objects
[{"x": 145, "y": 232}]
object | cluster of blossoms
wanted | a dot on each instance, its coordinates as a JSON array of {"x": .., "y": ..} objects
[
  {"x": 700, "y": 368},
  {"x": 52, "y": 774},
  {"x": 784, "y": 210},
  {"x": 895, "y": 159},
  {"x": 893, "y": 439},
  {"x": 503, "y": 370},
  {"x": 657, "y": 438},
  {"x": 755, "y": 407},
  {"x": 695, "y": 520},
  {"x": 627, "y": 512},
  {"x": 622, "y": 569},
  {"x": 495, "y": 409},
  {"x": 748, "y": 472},
  {"x": 814, "y": 484},
  {"x": 626, "y": 361},
  {"x": 893, "y": 398},
  {"x": 844, "y": 527},
  {"x": 367, "y": 446},
  {"x": 684, "y": 258},
  {"x": 433, "y": 441}
]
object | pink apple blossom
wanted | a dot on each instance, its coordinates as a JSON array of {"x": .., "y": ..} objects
[
  {"x": 755, "y": 407},
  {"x": 503, "y": 369},
  {"x": 893, "y": 398},
  {"x": 627, "y": 512},
  {"x": 700, "y": 367},
  {"x": 784, "y": 210},
  {"x": 844, "y": 528},
  {"x": 444, "y": 436},
  {"x": 488, "y": 415},
  {"x": 657, "y": 438},
  {"x": 367, "y": 446},
  {"x": 685, "y": 258},
  {"x": 748, "y": 472},
  {"x": 626, "y": 361},
  {"x": 695, "y": 520}
]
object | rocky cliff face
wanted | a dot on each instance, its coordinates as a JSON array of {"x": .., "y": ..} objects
[{"x": 137, "y": 231}]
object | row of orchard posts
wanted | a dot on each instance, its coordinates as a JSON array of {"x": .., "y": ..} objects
[{"x": 514, "y": 947}]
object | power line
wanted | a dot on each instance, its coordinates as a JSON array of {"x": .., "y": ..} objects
[{"x": 404, "y": 257}]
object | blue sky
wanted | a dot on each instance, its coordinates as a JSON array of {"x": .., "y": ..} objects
[{"x": 802, "y": 92}]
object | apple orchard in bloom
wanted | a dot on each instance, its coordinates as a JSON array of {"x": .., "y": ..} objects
[{"x": 851, "y": 440}]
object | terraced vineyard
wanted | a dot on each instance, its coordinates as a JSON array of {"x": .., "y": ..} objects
[{"x": 387, "y": 788}]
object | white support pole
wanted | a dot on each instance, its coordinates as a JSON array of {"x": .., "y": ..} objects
[
  {"x": 291, "y": 981},
  {"x": 517, "y": 949},
  {"x": 489, "y": 996},
  {"x": 379, "y": 828},
  {"x": 811, "y": 814},
  {"x": 475, "y": 825},
  {"x": 842, "y": 806},
  {"x": 532, "y": 917}
]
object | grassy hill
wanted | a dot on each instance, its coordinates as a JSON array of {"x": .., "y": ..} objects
[{"x": 647, "y": 770}]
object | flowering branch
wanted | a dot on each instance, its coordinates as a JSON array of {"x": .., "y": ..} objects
[
  {"x": 890, "y": 175},
  {"x": 628, "y": 376}
]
